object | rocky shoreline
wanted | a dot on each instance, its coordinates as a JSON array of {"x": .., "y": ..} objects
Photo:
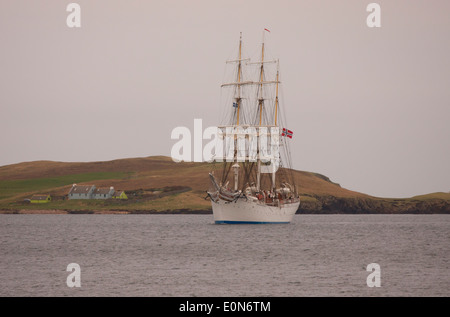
[{"x": 339, "y": 205}]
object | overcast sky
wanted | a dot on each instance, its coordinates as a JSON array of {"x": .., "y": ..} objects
[{"x": 369, "y": 107}]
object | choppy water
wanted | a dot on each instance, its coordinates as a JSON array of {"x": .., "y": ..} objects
[{"x": 188, "y": 255}]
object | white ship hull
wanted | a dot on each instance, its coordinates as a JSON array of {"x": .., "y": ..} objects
[{"x": 248, "y": 211}]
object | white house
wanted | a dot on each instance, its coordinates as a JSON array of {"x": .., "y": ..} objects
[
  {"x": 81, "y": 192},
  {"x": 103, "y": 193}
]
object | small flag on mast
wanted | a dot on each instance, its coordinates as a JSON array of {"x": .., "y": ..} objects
[
  {"x": 267, "y": 30},
  {"x": 287, "y": 133}
]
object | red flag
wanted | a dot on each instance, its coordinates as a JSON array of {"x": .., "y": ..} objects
[
  {"x": 267, "y": 30},
  {"x": 287, "y": 133}
]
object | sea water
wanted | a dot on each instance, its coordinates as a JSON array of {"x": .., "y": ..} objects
[{"x": 189, "y": 255}]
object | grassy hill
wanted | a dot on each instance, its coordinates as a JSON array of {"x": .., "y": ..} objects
[{"x": 158, "y": 184}]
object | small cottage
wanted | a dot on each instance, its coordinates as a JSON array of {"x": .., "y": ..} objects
[
  {"x": 40, "y": 199},
  {"x": 119, "y": 195},
  {"x": 103, "y": 193},
  {"x": 81, "y": 191}
]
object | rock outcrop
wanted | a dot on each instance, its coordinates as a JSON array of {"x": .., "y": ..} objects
[{"x": 332, "y": 205}]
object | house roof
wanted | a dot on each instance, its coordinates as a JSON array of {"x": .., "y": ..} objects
[
  {"x": 103, "y": 190},
  {"x": 39, "y": 197},
  {"x": 80, "y": 189}
]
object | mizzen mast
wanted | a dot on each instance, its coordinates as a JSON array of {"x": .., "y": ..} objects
[{"x": 276, "y": 115}]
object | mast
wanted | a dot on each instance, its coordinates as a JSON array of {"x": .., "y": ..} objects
[
  {"x": 261, "y": 82},
  {"x": 276, "y": 96},
  {"x": 260, "y": 101},
  {"x": 276, "y": 114},
  {"x": 238, "y": 98},
  {"x": 238, "y": 106}
]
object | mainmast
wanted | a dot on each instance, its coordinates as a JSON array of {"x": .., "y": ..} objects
[
  {"x": 238, "y": 106},
  {"x": 238, "y": 97},
  {"x": 276, "y": 96},
  {"x": 261, "y": 79},
  {"x": 260, "y": 105}
]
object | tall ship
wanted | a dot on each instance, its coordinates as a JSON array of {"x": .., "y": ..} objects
[{"x": 251, "y": 179}]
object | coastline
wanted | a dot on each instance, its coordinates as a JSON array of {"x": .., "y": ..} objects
[{"x": 208, "y": 212}]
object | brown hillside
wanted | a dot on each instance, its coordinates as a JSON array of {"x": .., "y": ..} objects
[
  {"x": 44, "y": 169},
  {"x": 153, "y": 172}
]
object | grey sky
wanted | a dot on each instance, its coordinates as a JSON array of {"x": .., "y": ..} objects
[{"x": 369, "y": 107}]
